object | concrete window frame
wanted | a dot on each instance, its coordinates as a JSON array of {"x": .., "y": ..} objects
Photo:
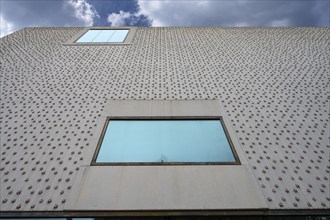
[
  {"x": 117, "y": 188},
  {"x": 128, "y": 40}
]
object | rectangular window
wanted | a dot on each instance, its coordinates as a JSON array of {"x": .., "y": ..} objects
[
  {"x": 165, "y": 141},
  {"x": 103, "y": 36}
]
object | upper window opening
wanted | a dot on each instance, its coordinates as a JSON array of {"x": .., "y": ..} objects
[
  {"x": 165, "y": 141},
  {"x": 103, "y": 36}
]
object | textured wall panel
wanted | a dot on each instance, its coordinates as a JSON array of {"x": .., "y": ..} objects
[{"x": 273, "y": 83}]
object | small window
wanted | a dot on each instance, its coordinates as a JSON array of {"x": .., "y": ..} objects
[
  {"x": 103, "y": 36},
  {"x": 165, "y": 141}
]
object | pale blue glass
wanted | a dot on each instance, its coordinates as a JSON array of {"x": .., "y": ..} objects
[
  {"x": 89, "y": 36},
  {"x": 119, "y": 36},
  {"x": 104, "y": 36},
  {"x": 165, "y": 141},
  {"x": 83, "y": 218}
]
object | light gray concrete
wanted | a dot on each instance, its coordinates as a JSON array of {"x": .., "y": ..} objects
[
  {"x": 165, "y": 108},
  {"x": 168, "y": 188},
  {"x": 185, "y": 187}
]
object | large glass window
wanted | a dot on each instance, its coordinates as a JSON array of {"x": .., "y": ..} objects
[
  {"x": 165, "y": 141},
  {"x": 103, "y": 36}
]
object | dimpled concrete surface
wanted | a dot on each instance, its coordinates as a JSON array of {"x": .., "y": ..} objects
[{"x": 273, "y": 84}]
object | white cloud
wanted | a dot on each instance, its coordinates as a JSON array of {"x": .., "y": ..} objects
[
  {"x": 119, "y": 19},
  {"x": 18, "y": 14},
  {"x": 6, "y": 27},
  {"x": 151, "y": 10},
  {"x": 128, "y": 19},
  {"x": 84, "y": 11}
]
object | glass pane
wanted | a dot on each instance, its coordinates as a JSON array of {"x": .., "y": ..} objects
[
  {"x": 165, "y": 141},
  {"x": 104, "y": 36},
  {"x": 119, "y": 36},
  {"x": 89, "y": 36}
]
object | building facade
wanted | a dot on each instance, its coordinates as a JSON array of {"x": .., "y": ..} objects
[{"x": 269, "y": 86}]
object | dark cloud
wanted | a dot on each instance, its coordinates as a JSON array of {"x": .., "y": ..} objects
[{"x": 236, "y": 13}]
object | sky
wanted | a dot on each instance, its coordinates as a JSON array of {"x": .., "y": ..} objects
[{"x": 17, "y": 14}]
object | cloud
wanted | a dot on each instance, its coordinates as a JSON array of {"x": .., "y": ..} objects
[
  {"x": 6, "y": 27},
  {"x": 18, "y": 14},
  {"x": 128, "y": 19},
  {"x": 119, "y": 19},
  {"x": 236, "y": 13},
  {"x": 84, "y": 11}
]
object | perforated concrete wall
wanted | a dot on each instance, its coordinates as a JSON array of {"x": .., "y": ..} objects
[{"x": 273, "y": 83}]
